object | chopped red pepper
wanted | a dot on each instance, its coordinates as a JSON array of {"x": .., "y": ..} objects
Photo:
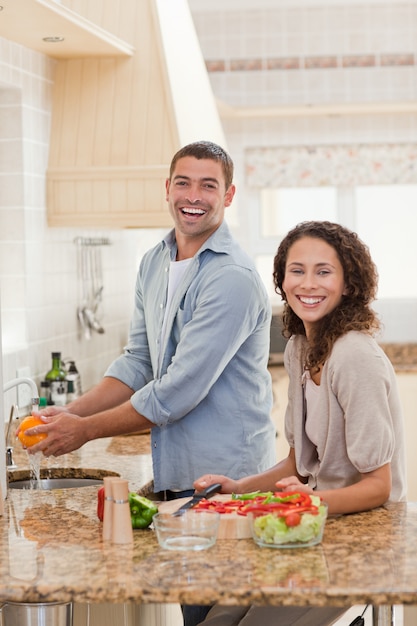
[
  {"x": 288, "y": 505},
  {"x": 100, "y": 504}
]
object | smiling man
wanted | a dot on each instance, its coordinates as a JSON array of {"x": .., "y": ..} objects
[
  {"x": 194, "y": 370},
  {"x": 197, "y": 193},
  {"x": 195, "y": 366}
]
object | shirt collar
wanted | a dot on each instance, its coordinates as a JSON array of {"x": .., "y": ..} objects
[{"x": 219, "y": 241}]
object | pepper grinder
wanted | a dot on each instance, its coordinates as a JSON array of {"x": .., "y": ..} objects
[
  {"x": 108, "y": 508},
  {"x": 122, "y": 531}
]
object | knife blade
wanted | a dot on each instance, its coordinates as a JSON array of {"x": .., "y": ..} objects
[{"x": 197, "y": 497}]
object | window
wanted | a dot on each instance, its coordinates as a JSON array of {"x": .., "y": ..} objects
[
  {"x": 283, "y": 208},
  {"x": 386, "y": 220}
]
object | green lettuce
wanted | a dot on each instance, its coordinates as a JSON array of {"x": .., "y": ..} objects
[{"x": 271, "y": 529}]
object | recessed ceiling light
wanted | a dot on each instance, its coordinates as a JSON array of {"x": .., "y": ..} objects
[{"x": 53, "y": 39}]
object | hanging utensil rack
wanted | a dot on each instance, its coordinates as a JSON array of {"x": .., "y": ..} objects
[
  {"x": 90, "y": 275},
  {"x": 92, "y": 241}
]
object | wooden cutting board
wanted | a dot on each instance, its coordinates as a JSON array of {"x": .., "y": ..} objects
[{"x": 232, "y": 525}]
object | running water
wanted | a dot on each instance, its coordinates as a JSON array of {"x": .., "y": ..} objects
[
  {"x": 36, "y": 458},
  {"x": 35, "y": 469}
]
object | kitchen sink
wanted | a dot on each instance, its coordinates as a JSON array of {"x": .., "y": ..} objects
[
  {"x": 58, "y": 478},
  {"x": 54, "y": 483}
]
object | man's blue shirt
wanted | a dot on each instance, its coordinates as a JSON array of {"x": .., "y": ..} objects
[{"x": 210, "y": 395}]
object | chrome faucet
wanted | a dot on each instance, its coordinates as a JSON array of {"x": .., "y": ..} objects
[
  {"x": 34, "y": 400},
  {"x": 10, "y": 464},
  {"x": 15, "y": 382}
]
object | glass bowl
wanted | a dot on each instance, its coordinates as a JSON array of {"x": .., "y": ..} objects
[
  {"x": 271, "y": 531},
  {"x": 193, "y": 530}
]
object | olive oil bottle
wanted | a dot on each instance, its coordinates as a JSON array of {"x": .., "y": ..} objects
[{"x": 57, "y": 383}]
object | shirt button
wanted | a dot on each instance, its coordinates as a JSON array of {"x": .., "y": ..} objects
[
  {"x": 161, "y": 306},
  {"x": 154, "y": 445}
]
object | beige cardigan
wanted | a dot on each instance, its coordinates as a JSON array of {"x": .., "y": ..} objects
[{"x": 362, "y": 424}]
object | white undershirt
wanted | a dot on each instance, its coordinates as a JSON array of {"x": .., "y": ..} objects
[
  {"x": 312, "y": 392},
  {"x": 177, "y": 270}
]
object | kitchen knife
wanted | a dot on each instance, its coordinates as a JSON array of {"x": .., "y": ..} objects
[{"x": 197, "y": 497}]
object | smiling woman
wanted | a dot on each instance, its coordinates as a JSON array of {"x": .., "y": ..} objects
[
  {"x": 327, "y": 279},
  {"x": 314, "y": 281},
  {"x": 355, "y": 207}
]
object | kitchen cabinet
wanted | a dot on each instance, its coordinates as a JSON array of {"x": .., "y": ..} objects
[
  {"x": 113, "y": 131},
  {"x": 407, "y": 383},
  {"x": 116, "y": 122},
  {"x": 280, "y": 393},
  {"x": 36, "y": 24}
]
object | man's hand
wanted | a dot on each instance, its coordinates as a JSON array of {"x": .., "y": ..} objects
[{"x": 65, "y": 433}]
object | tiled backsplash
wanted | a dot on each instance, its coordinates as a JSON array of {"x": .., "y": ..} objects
[
  {"x": 286, "y": 53},
  {"x": 312, "y": 62},
  {"x": 39, "y": 285},
  {"x": 281, "y": 55}
]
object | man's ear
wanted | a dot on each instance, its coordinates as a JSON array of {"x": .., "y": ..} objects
[
  {"x": 167, "y": 184},
  {"x": 229, "y": 195}
]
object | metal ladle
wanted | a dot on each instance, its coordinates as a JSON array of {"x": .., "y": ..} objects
[{"x": 91, "y": 287}]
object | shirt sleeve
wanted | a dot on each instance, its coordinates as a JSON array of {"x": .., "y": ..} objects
[{"x": 228, "y": 308}]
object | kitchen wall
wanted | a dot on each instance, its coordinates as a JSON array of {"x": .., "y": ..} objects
[
  {"x": 292, "y": 75},
  {"x": 38, "y": 265},
  {"x": 279, "y": 54}
]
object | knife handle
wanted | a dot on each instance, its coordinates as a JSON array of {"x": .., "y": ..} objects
[{"x": 210, "y": 490}]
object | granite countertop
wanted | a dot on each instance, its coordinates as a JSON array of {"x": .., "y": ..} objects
[
  {"x": 128, "y": 456},
  {"x": 51, "y": 549}
]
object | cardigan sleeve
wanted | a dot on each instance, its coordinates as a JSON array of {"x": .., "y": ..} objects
[{"x": 362, "y": 381}]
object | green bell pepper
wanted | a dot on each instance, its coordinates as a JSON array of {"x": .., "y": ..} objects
[{"x": 142, "y": 510}]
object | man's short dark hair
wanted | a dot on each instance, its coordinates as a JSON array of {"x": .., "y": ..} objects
[{"x": 206, "y": 150}]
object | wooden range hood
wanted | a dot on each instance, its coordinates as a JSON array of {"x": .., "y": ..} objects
[{"x": 117, "y": 121}]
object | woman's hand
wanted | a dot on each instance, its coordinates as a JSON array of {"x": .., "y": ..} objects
[
  {"x": 228, "y": 485},
  {"x": 292, "y": 483}
]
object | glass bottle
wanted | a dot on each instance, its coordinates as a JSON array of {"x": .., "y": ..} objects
[
  {"x": 74, "y": 382},
  {"x": 45, "y": 393},
  {"x": 57, "y": 383}
]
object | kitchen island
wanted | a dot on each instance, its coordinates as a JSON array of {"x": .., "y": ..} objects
[{"x": 51, "y": 549}]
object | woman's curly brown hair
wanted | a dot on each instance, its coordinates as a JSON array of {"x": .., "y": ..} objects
[{"x": 361, "y": 279}]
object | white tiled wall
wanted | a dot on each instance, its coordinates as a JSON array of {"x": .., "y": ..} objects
[
  {"x": 38, "y": 265},
  {"x": 373, "y": 48},
  {"x": 38, "y": 277},
  {"x": 310, "y": 53}
]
